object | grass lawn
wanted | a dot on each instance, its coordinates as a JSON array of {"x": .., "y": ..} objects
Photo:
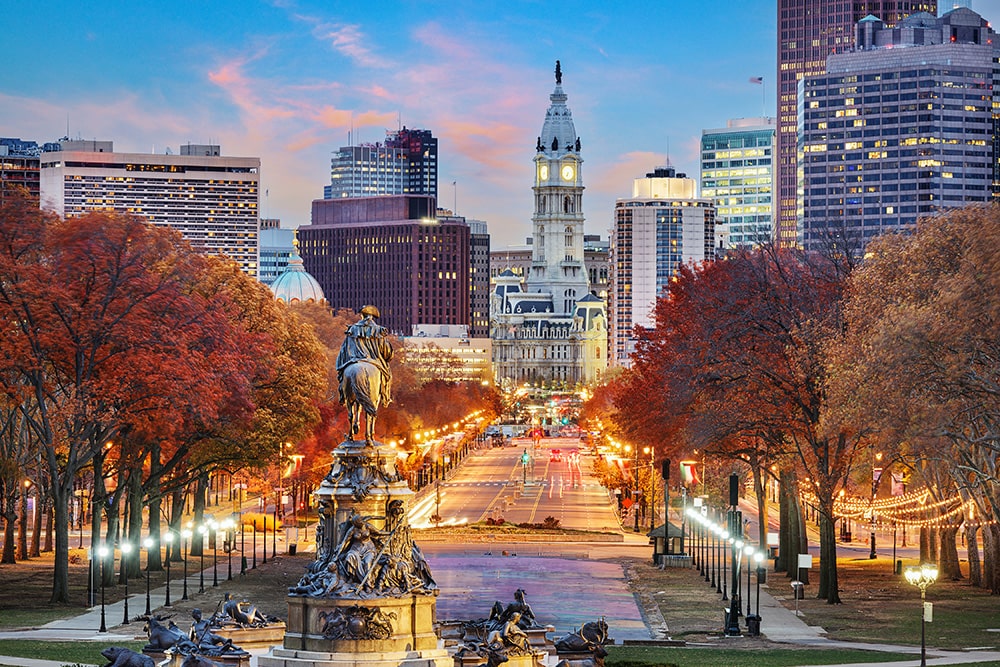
[
  {"x": 650, "y": 656},
  {"x": 877, "y": 606},
  {"x": 85, "y": 653}
]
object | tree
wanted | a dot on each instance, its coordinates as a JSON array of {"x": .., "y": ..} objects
[
  {"x": 102, "y": 333},
  {"x": 919, "y": 360},
  {"x": 736, "y": 366}
]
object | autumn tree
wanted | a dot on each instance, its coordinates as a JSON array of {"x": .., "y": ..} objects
[
  {"x": 919, "y": 363},
  {"x": 736, "y": 365},
  {"x": 102, "y": 332}
]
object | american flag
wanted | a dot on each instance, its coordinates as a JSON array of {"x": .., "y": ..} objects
[{"x": 757, "y": 79}]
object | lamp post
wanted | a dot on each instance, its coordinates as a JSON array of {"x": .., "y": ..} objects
[
  {"x": 214, "y": 537},
  {"x": 102, "y": 553},
  {"x": 202, "y": 530},
  {"x": 148, "y": 543},
  {"x": 759, "y": 559},
  {"x": 243, "y": 545},
  {"x": 748, "y": 552},
  {"x": 186, "y": 539},
  {"x": 876, "y": 477},
  {"x": 922, "y": 577},
  {"x": 168, "y": 540},
  {"x": 724, "y": 546},
  {"x": 227, "y": 525},
  {"x": 126, "y": 549}
]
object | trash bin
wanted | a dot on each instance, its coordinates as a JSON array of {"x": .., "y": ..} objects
[
  {"x": 899, "y": 567},
  {"x": 291, "y": 548},
  {"x": 753, "y": 625}
]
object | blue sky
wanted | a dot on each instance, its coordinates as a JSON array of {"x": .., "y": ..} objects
[{"x": 286, "y": 81}]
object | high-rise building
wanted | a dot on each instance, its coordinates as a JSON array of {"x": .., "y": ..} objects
[
  {"x": 213, "y": 201},
  {"x": 391, "y": 252},
  {"x": 662, "y": 226},
  {"x": 737, "y": 170},
  {"x": 808, "y": 32},
  {"x": 407, "y": 163},
  {"x": 20, "y": 167},
  {"x": 479, "y": 276},
  {"x": 552, "y": 329},
  {"x": 277, "y": 246},
  {"x": 901, "y": 127}
]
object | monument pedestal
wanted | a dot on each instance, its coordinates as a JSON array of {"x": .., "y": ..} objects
[
  {"x": 283, "y": 657},
  {"x": 268, "y": 635}
]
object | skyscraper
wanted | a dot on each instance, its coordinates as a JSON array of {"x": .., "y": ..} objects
[
  {"x": 212, "y": 200},
  {"x": 407, "y": 163},
  {"x": 808, "y": 32},
  {"x": 899, "y": 128},
  {"x": 662, "y": 226},
  {"x": 553, "y": 331},
  {"x": 391, "y": 252},
  {"x": 737, "y": 173}
]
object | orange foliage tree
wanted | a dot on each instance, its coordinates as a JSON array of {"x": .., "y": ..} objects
[
  {"x": 103, "y": 331},
  {"x": 736, "y": 365}
]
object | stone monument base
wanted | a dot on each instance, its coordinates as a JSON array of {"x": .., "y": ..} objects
[
  {"x": 177, "y": 659},
  {"x": 268, "y": 635},
  {"x": 283, "y": 657}
]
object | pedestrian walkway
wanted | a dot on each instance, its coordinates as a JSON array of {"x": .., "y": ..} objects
[{"x": 580, "y": 586}]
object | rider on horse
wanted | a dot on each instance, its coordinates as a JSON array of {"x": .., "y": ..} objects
[{"x": 366, "y": 342}]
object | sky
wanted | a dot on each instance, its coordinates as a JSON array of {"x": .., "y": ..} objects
[{"x": 289, "y": 80}]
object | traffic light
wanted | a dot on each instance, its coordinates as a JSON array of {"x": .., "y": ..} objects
[{"x": 666, "y": 470}]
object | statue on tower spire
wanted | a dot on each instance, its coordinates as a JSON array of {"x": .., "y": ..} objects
[{"x": 558, "y": 74}]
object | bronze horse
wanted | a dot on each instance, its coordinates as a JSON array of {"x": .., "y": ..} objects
[{"x": 362, "y": 390}]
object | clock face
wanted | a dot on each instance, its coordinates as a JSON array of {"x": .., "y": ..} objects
[
  {"x": 543, "y": 172},
  {"x": 567, "y": 172}
]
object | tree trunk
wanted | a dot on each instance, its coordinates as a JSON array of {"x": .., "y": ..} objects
[
  {"x": 758, "y": 489},
  {"x": 975, "y": 565},
  {"x": 36, "y": 526},
  {"x": 152, "y": 486},
  {"x": 200, "y": 493},
  {"x": 932, "y": 545},
  {"x": 948, "y": 564},
  {"x": 925, "y": 540},
  {"x": 22, "y": 527},
  {"x": 60, "y": 566},
  {"x": 829, "y": 585},
  {"x": 788, "y": 526},
  {"x": 49, "y": 513},
  {"x": 133, "y": 501},
  {"x": 991, "y": 553},
  {"x": 9, "y": 521},
  {"x": 176, "y": 522}
]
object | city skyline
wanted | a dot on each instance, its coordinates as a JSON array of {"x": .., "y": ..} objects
[{"x": 291, "y": 82}]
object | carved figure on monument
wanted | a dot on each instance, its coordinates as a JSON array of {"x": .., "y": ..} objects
[
  {"x": 357, "y": 553},
  {"x": 207, "y": 641},
  {"x": 402, "y": 566},
  {"x": 363, "y": 372},
  {"x": 123, "y": 657},
  {"x": 518, "y": 606},
  {"x": 583, "y": 640},
  {"x": 243, "y": 614},
  {"x": 511, "y": 637},
  {"x": 166, "y": 636},
  {"x": 357, "y": 622}
]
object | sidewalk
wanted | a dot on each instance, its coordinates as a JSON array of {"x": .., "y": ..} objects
[{"x": 778, "y": 625}]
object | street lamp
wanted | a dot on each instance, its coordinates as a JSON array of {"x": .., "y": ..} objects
[
  {"x": 102, "y": 553},
  {"x": 186, "y": 539},
  {"x": 227, "y": 525},
  {"x": 214, "y": 537},
  {"x": 748, "y": 552},
  {"x": 168, "y": 540},
  {"x": 126, "y": 549},
  {"x": 148, "y": 543},
  {"x": 876, "y": 478},
  {"x": 922, "y": 577},
  {"x": 202, "y": 530}
]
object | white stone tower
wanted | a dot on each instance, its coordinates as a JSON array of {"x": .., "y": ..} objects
[{"x": 557, "y": 265}]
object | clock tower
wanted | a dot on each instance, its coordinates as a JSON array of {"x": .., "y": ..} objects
[{"x": 557, "y": 264}]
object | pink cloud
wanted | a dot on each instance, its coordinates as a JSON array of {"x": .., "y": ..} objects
[{"x": 349, "y": 40}]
